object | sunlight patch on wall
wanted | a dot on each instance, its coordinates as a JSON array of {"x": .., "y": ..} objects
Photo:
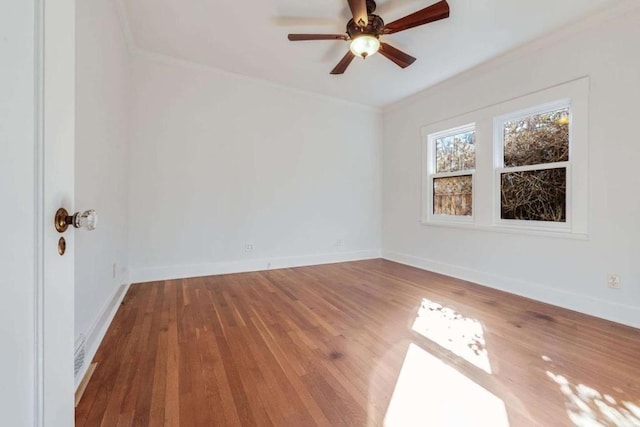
[
  {"x": 461, "y": 335},
  {"x": 429, "y": 392}
]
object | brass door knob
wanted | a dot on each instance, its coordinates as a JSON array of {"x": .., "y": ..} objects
[{"x": 87, "y": 220}]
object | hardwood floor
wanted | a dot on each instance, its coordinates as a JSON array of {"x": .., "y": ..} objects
[{"x": 364, "y": 343}]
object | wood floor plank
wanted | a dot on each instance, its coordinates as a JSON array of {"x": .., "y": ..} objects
[{"x": 332, "y": 345}]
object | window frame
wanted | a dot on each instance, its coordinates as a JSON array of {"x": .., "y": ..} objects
[
  {"x": 431, "y": 174},
  {"x": 486, "y": 192},
  {"x": 499, "y": 168}
]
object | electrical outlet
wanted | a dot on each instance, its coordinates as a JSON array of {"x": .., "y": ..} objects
[
  {"x": 613, "y": 281},
  {"x": 248, "y": 247},
  {"x": 113, "y": 270},
  {"x": 339, "y": 243}
]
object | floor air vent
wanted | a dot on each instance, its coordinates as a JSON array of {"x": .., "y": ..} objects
[{"x": 78, "y": 362}]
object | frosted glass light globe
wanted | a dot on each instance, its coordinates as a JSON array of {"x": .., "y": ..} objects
[{"x": 365, "y": 45}]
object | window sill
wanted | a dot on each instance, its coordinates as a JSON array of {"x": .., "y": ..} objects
[{"x": 559, "y": 234}]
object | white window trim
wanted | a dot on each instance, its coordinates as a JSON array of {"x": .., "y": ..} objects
[
  {"x": 485, "y": 192},
  {"x": 499, "y": 168},
  {"x": 429, "y": 174}
]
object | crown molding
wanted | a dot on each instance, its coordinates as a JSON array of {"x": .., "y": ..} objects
[
  {"x": 135, "y": 51},
  {"x": 171, "y": 60},
  {"x": 614, "y": 9}
]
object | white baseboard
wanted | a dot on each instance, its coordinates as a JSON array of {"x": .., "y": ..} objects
[
  {"x": 96, "y": 333},
  {"x": 614, "y": 312},
  {"x": 141, "y": 275}
]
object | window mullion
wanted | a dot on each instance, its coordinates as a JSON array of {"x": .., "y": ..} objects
[{"x": 452, "y": 174}]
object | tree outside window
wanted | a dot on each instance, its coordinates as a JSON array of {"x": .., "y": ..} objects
[
  {"x": 451, "y": 172},
  {"x": 535, "y": 161}
]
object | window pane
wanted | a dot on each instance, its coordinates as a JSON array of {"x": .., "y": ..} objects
[
  {"x": 452, "y": 196},
  {"x": 456, "y": 152},
  {"x": 539, "y": 139},
  {"x": 539, "y": 195}
]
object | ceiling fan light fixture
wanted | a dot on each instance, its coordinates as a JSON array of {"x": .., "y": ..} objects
[
  {"x": 365, "y": 28},
  {"x": 365, "y": 45}
]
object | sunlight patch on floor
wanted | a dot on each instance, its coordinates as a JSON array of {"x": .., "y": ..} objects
[
  {"x": 588, "y": 407},
  {"x": 459, "y": 334},
  {"x": 430, "y": 393}
]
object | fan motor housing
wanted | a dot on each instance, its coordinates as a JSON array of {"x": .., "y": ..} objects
[{"x": 374, "y": 28}]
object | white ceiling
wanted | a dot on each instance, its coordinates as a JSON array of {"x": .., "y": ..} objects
[{"x": 250, "y": 38}]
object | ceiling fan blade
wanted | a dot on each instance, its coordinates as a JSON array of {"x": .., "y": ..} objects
[
  {"x": 435, "y": 12},
  {"x": 343, "y": 64},
  {"x": 399, "y": 57},
  {"x": 359, "y": 12},
  {"x": 303, "y": 37}
]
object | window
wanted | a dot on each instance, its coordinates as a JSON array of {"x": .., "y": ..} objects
[
  {"x": 520, "y": 166},
  {"x": 451, "y": 159},
  {"x": 532, "y": 166}
]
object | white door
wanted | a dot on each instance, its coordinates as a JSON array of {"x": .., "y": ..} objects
[
  {"x": 58, "y": 161},
  {"x": 36, "y": 178}
]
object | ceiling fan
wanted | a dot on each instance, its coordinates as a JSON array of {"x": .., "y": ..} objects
[{"x": 365, "y": 29}]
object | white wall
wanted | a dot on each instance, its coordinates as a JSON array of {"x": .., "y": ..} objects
[
  {"x": 102, "y": 73},
  {"x": 219, "y": 162},
  {"x": 18, "y": 212},
  {"x": 569, "y": 273}
]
